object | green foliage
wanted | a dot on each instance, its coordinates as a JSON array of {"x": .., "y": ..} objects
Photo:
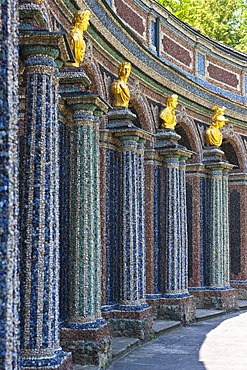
[{"x": 222, "y": 20}]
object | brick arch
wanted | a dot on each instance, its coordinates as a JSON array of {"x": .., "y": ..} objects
[
  {"x": 237, "y": 144},
  {"x": 190, "y": 130}
]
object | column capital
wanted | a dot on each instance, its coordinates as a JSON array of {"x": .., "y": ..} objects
[
  {"x": 178, "y": 153},
  {"x": 87, "y": 102},
  {"x": 133, "y": 133},
  {"x": 47, "y": 44},
  {"x": 195, "y": 169},
  {"x": 223, "y": 167}
]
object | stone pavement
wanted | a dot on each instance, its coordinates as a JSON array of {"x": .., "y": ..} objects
[{"x": 216, "y": 343}]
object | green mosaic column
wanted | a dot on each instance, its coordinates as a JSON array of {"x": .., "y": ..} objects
[
  {"x": 86, "y": 333},
  {"x": 225, "y": 220},
  {"x": 85, "y": 234},
  {"x": 219, "y": 226}
]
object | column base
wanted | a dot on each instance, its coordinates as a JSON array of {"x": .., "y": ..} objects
[
  {"x": 240, "y": 287},
  {"x": 62, "y": 361},
  {"x": 127, "y": 322},
  {"x": 88, "y": 345},
  {"x": 215, "y": 298},
  {"x": 178, "y": 308}
]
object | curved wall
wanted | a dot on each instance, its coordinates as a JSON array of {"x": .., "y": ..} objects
[{"x": 208, "y": 63}]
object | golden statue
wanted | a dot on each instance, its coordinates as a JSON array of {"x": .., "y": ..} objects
[
  {"x": 119, "y": 87},
  {"x": 75, "y": 36},
  {"x": 167, "y": 114},
  {"x": 213, "y": 134}
]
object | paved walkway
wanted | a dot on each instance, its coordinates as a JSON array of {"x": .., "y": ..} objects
[{"x": 216, "y": 344}]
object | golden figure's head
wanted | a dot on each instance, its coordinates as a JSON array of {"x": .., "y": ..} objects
[
  {"x": 172, "y": 101},
  {"x": 213, "y": 134},
  {"x": 218, "y": 119},
  {"x": 124, "y": 70},
  {"x": 81, "y": 19}
]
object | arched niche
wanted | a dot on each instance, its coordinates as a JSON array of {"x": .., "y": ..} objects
[
  {"x": 190, "y": 138},
  {"x": 139, "y": 106},
  {"x": 234, "y": 152}
]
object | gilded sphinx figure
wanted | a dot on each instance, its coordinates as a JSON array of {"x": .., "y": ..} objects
[
  {"x": 119, "y": 87},
  {"x": 80, "y": 24},
  {"x": 213, "y": 134},
  {"x": 167, "y": 114}
]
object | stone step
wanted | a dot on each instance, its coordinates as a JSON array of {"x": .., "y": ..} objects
[
  {"x": 162, "y": 326},
  {"x": 122, "y": 345},
  {"x": 205, "y": 314},
  {"x": 242, "y": 304}
]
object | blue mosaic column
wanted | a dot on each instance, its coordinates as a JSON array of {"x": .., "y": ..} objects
[
  {"x": 131, "y": 316},
  {"x": 132, "y": 279},
  {"x": 9, "y": 167},
  {"x": 40, "y": 345},
  {"x": 176, "y": 302},
  {"x": 65, "y": 142},
  {"x": 175, "y": 224},
  {"x": 85, "y": 332}
]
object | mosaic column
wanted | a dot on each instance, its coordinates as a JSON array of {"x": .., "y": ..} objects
[
  {"x": 216, "y": 292},
  {"x": 132, "y": 280},
  {"x": 110, "y": 219},
  {"x": 194, "y": 181},
  {"x": 40, "y": 346},
  {"x": 154, "y": 215},
  {"x": 86, "y": 333},
  {"x": 71, "y": 82},
  {"x": 132, "y": 316},
  {"x": 238, "y": 232},
  {"x": 9, "y": 168},
  {"x": 176, "y": 302}
]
